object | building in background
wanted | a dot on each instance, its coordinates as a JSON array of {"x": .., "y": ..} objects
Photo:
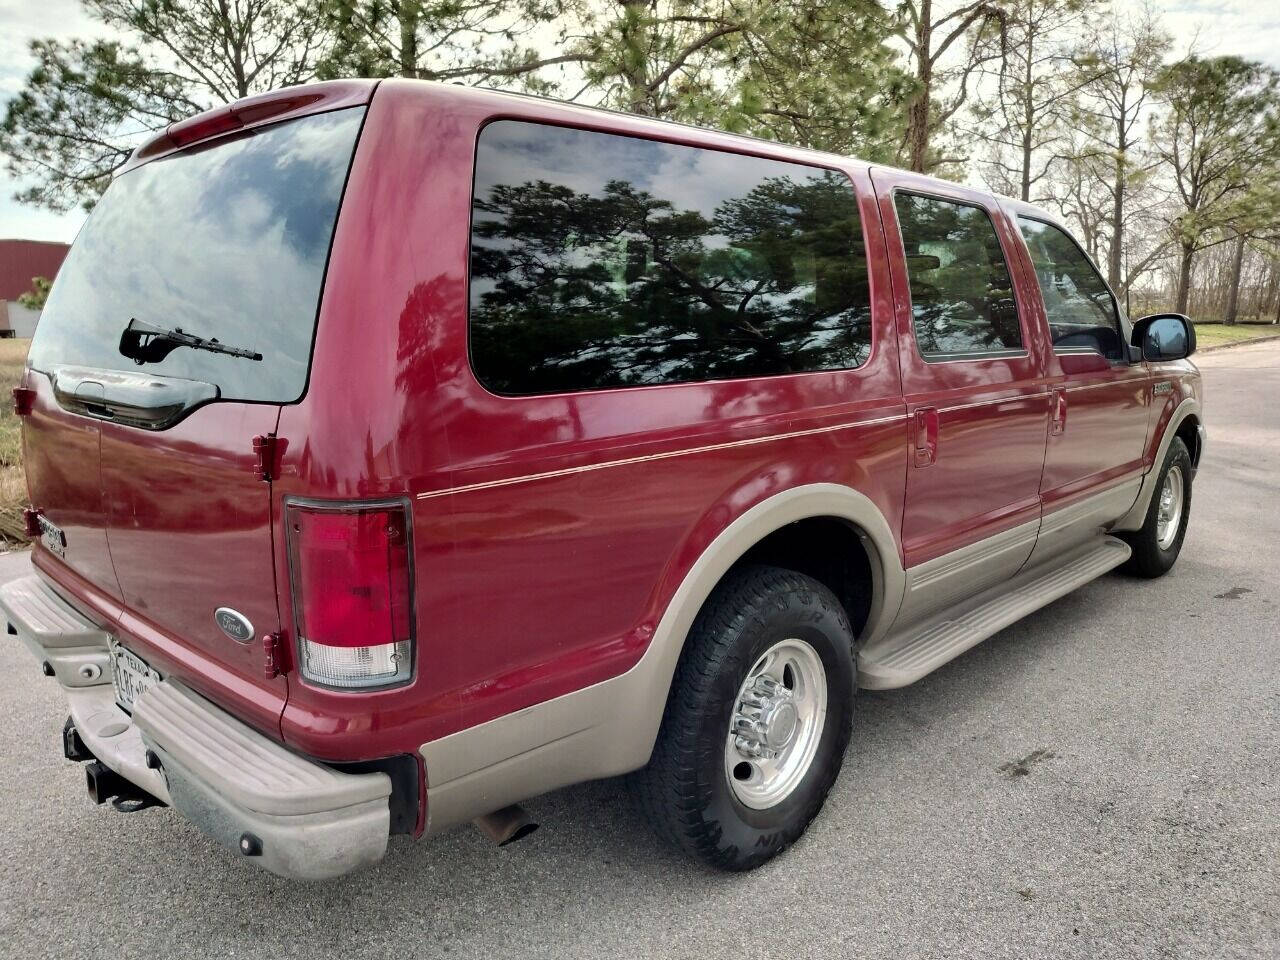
[{"x": 20, "y": 262}]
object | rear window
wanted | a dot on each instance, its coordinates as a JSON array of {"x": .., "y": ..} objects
[
  {"x": 225, "y": 241},
  {"x": 602, "y": 261}
]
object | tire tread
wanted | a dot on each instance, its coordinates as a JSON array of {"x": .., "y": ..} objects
[{"x": 668, "y": 791}]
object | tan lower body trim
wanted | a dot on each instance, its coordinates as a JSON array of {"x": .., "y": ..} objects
[
  {"x": 609, "y": 728},
  {"x": 1137, "y": 515},
  {"x": 1066, "y": 528},
  {"x": 962, "y": 573}
]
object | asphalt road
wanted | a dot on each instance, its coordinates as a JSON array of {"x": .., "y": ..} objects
[{"x": 1100, "y": 780}]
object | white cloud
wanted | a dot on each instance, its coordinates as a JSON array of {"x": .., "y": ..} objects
[
  {"x": 22, "y": 21},
  {"x": 1245, "y": 28}
]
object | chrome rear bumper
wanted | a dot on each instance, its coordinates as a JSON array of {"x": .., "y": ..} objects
[{"x": 293, "y": 816}]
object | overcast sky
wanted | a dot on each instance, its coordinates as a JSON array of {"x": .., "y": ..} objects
[{"x": 1249, "y": 28}]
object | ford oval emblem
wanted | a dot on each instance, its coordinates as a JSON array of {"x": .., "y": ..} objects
[{"x": 234, "y": 624}]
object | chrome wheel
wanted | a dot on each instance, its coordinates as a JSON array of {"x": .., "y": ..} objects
[
  {"x": 1169, "y": 512},
  {"x": 776, "y": 724}
]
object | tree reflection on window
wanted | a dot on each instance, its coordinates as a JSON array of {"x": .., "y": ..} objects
[
  {"x": 961, "y": 292},
  {"x": 616, "y": 262}
]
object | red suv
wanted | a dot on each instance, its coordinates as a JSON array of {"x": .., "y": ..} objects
[{"x": 399, "y": 452}]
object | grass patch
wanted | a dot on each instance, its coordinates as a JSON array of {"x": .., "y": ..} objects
[
  {"x": 13, "y": 485},
  {"x": 1216, "y": 334}
]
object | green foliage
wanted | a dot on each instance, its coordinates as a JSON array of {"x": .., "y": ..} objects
[
  {"x": 1219, "y": 138},
  {"x": 75, "y": 121},
  {"x": 814, "y": 74},
  {"x": 34, "y": 298},
  {"x": 222, "y": 51},
  {"x": 823, "y": 76},
  {"x": 472, "y": 41},
  {"x": 86, "y": 105}
]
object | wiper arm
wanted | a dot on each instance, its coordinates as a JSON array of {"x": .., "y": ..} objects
[{"x": 145, "y": 343}]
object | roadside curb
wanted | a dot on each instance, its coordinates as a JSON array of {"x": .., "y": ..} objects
[{"x": 1240, "y": 343}]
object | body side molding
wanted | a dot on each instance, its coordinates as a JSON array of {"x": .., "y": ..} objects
[{"x": 610, "y": 727}]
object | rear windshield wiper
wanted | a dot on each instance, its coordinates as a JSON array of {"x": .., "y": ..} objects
[{"x": 144, "y": 343}]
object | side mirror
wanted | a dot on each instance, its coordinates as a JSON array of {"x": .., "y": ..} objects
[
  {"x": 921, "y": 262},
  {"x": 1165, "y": 336}
]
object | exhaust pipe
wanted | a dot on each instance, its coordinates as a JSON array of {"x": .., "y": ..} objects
[{"x": 506, "y": 825}]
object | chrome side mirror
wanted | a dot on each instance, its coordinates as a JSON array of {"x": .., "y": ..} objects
[{"x": 1165, "y": 336}]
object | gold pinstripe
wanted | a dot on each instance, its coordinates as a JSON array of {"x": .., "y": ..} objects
[{"x": 626, "y": 461}]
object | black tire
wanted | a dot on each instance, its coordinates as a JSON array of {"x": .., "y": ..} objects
[
  {"x": 684, "y": 791},
  {"x": 1149, "y": 559}
]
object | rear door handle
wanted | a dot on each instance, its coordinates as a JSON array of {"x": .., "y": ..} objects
[
  {"x": 1059, "y": 402},
  {"x": 925, "y": 428}
]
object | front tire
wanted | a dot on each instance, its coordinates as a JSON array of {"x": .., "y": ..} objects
[
  {"x": 757, "y": 720},
  {"x": 1157, "y": 545}
]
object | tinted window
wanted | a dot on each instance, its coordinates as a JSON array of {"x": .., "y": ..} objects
[
  {"x": 225, "y": 241},
  {"x": 605, "y": 261},
  {"x": 1080, "y": 308},
  {"x": 961, "y": 293}
]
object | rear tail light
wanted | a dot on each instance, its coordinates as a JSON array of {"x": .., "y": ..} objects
[{"x": 352, "y": 596}]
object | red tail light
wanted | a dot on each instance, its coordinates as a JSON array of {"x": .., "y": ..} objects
[
  {"x": 352, "y": 595},
  {"x": 24, "y": 399}
]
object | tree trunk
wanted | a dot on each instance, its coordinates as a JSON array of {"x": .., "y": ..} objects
[
  {"x": 634, "y": 28},
  {"x": 918, "y": 133},
  {"x": 1114, "y": 260},
  {"x": 918, "y": 111},
  {"x": 1026, "y": 166},
  {"x": 1028, "y": 109},
  {"x": 409, "y": 13},
  {"x": 1233, "y": 294},
  {"x": 1275, "y": 292},
  {"x": 1184, "y": 278},
  {"x": 1115, "y": 254}
]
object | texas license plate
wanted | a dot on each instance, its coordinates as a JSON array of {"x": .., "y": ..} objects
[
  {"x": 52, "y": 537},
  {"x": 130, "y": 675}
]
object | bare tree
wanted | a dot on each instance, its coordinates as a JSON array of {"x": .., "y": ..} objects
[
  {"x": 1122, "y": 58},
  {"x": 1023, "y": 119}
]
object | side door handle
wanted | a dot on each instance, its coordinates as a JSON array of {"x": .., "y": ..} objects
[
  {"x": 925, "y": 430},
  {"x": 1059, "y": 403}
]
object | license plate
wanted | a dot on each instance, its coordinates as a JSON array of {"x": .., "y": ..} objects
[
  {"x": 130, "y": 675},
  {"x": 52, "y": 537}
]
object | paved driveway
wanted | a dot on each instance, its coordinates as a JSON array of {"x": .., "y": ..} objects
[{"x": 1100, "y": 780}]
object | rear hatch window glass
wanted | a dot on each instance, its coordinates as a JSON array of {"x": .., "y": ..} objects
[{"x": 227, "y": 240}]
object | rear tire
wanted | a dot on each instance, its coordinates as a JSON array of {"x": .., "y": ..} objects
[
  {"x": 771, "y": 654},
  {"x": 1157, "y": 545}
]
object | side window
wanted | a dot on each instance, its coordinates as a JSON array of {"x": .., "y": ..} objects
[
  {"x": 1080, "y": 308},
  {"x": 602, "y": 261},
  {"x": 962, "y": 301}
]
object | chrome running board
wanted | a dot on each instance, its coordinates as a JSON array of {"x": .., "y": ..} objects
[{"x": 904, "y": 657}]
